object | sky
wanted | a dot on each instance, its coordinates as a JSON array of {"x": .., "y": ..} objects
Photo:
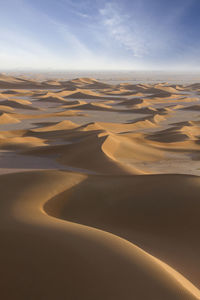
[{"x": 99, "y": 35}]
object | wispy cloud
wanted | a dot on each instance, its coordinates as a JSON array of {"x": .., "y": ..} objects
[
  {"x": 77, "y": 8},
  {"x": 94, "y": 34},
  {"x": 120, "y": 28},
  {"x": 143, "y": 33}
]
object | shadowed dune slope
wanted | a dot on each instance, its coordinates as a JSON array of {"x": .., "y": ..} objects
[
  {"x": 93, "y": 153},
  {"x": 65, "y": 255},
  {"x": 101, "y": 151},
  {"x": 16, "y": 103},
  {"x": 162, "y": 207}
]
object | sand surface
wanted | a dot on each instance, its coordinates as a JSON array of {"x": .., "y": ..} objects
[{"x": 99, "y": 190}]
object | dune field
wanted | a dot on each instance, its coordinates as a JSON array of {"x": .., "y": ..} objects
[{"x": 100, "y": 190}]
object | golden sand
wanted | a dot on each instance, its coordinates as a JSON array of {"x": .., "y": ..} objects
[{"x": 99, "y": 190}]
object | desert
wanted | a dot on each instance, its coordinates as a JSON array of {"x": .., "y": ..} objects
[{"x": 99, "y": 189}]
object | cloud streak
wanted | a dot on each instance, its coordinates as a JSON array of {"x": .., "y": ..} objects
[{"x": 117, "y": 25}]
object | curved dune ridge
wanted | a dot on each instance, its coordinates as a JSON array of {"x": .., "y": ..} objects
[
  {"x": 93, "y": 148},
  {"x": 119, "y": 128},
  {"x": 85, "y": 256},
  {"x": 188, "y": 131},
  {"x": 4, "y": 108},
  {"x": 63, "y": 125},
  {"x": 16, "y": 103},
  {"x": 104, "y": 107},
  {"x": 99, "y": 190},
  {"x": 98, "y": 146},
  {"x": 82, "y": 94},
  {"x": 20, "y": 142},
  {"x": 131, "y": 212},
  {"x": 90, "y": 154},
  {"x": 51, "y": 97}
]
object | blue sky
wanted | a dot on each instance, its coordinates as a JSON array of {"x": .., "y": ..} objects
[{"x": 98, "y": 34}]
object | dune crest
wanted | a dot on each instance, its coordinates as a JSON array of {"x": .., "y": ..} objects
[
  {"x": 99, "y": 189},
  {"x": 8, "y": 119}
]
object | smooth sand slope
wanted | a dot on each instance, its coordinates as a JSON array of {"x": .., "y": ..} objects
[
  {"x": 99, "y": 190},
  {"x": 46, "y": 257}
]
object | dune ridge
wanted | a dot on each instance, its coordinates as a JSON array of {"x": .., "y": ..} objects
[
  {"x": 99, "y": 189},
  {"x": 159, "y": 279}
]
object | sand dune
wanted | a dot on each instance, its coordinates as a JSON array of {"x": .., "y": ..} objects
[
  {"x": 90, "y": 83},
  {"x": 99, "y": 107},
  {"x": 192, "y": 107},
  {"x": 2, "y": 97},
  {"x": 106, "y": 213},
  {"x": 131, "y": 212},
  {"x": 187, "y": 123},
  {"x": 178, "y": 106},
  {"x": 189, "y": 99},
  {"x": 169, "y": 135},
  {"x": 65, "y": 113},
  {"x": 126, "y": 148},
  {"x": 20, "y": 142},
  {"x": 167, "y": 89},
  {"x": 101, "y": 151},
  {"x": 122, "y": 92},
  {"x": 63, "y": 125},
  {"x": 18, "y": 92},
  {"x": 10, "y": 82},
  {"x": 76, "y": 248},
  {"x": 177, "y": 133},
  {"x": 117, "y": 127},
  {"x": 156, "y": 98},
  {"x": 90, "y": 154},
  {"x": 84, "y": 94},
  {"x": 133, "y": 102},
  {"x": 140, "y": 109},
  {"x": 73, "y": 103},
  {"x": 4, "y": 108},
  {"x": 7, "y": 119},
  {"x": 194, "y": 86},
  {"x": 18, "y": 103},
  {"x": 9, "y": 92},
  {"x": 84, "y": 80},
  {"x": 158, "y": 90},
  {"x": 51, "y": 97}
]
